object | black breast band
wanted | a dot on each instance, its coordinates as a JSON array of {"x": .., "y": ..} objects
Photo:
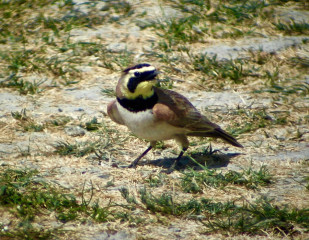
[{"x": 138, "y": 104}]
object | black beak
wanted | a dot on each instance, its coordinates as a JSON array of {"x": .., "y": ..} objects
[{"x": 149, "y": 76}]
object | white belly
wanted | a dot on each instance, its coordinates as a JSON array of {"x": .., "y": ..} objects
[{"x": 143, "y": 125}]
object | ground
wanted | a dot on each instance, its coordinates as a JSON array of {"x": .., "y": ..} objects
[{"x": 243, "y": 64}]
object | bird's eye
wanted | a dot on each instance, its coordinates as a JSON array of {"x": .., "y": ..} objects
[{"x": 137, "y": 74}]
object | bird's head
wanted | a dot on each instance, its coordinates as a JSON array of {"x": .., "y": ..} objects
[{"x": 137, "y": 81}]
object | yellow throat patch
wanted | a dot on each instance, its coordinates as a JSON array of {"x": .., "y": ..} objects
[{"x": 144, "y": 89}]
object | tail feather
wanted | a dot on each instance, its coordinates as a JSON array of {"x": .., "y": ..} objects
[{"x": 218, "y": 133}]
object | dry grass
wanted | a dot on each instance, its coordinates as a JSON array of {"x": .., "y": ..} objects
[{"x": 63, "y": 81}]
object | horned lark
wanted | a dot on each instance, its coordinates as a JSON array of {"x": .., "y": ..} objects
[{"x": 158, "y": 114}]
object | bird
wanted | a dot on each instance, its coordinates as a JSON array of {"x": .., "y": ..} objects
[{"x": 156, "y": 114}]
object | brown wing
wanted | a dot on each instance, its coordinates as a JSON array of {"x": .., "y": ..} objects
[
  {"x": 113, "y": 113},
  {"x": 178, "y": 111}
]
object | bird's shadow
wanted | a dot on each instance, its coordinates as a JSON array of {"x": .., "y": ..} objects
[{"x": 210, "y": 160}]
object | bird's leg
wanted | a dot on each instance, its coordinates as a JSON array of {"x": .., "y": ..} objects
[
  {"x": 183, "y": 141},
  {"x": 176, "y": 161},
  {"x": 135, "y": 162}
]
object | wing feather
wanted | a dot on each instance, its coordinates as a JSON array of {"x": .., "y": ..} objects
[{"x": 179, "y": 112}]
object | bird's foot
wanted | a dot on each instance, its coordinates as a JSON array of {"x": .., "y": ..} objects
[
  {"x": 135, "y": 162},
  {"x": 132, "y": 165}
]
